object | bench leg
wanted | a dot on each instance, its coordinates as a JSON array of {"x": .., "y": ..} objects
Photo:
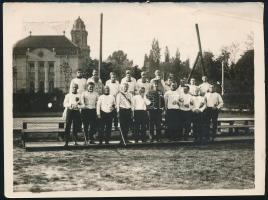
[
  {"x": 231, "y": 130},
  {"x": 23, "y": 138},
  {"x": 247, "y": 128}
]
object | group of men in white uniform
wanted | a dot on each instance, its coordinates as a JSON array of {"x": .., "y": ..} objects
[{"x": 140, "y": 104}]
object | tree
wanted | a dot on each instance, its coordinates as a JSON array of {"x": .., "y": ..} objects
[
  {"x": 66, "y": 70},
  {"x": 243, "y": 81},
  {"x": 120, "y": 62},
  {"x": 136, "y": 72},
  {"x": 212, "y": 67},
  {"x": 146, "y": 63},
  {"x": 167, "y": 55},
  {"x": 154, "y": 58},
  {"x": 250, "y": 41}
]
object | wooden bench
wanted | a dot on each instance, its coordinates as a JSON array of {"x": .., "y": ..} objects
[
  {"x": 234, "y": 124},
  {"x": 41, "y": 126}
]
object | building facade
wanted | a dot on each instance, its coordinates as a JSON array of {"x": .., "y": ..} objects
[{"x": 43, "y": 63}]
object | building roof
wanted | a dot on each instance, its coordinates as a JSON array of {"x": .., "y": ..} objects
[
  {"x": 45, "y": 41},
  {"x": 58, "y": 42}
]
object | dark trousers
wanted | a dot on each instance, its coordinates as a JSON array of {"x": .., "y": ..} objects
[
  {"x": 72, "y": 118},
  {"x": 115, "y": 119},
  {"x": 125, "y": 121},
  {"x": 89, "y": 119},
  {"x": 211, "y": 117},
  {"x": 140, "y": 120},
  {"x": 186, "y": 122},
  {"x": 199, "y": 125},
  {"x": 173, "y": 121},
  {"x": 155, "y": 118},
  {"x": 106, "y": 126}
]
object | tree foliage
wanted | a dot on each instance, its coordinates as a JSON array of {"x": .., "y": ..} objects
[{"x": 120, "y": 63}]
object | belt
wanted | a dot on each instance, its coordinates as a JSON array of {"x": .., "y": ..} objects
[{"x": 124, "y": 108}]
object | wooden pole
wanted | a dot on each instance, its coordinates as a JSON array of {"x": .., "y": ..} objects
[
  {"x": 200, "y": 49},
  {"x": 100, "y": 58},
  {"x": 195, "y": 62},
  {"x": 222, "y": 78}
]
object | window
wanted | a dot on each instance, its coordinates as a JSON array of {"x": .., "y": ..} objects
[
  {"x": 51, "y": 86},
  {"x": 41, "y": 70},
  {"x": 41, "y": 86},
  {"x": 31, "y": 87},
  {"x": 51, "y": 67},
  {"x": 31, "y": 67}
]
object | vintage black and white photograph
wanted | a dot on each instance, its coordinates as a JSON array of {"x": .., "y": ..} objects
[{"x": 133, "y": 99}]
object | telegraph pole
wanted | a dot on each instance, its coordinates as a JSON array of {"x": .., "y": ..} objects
[
  {"x": 222, "y": 78},
  {"x": 200, "y": 50},
  {"x": 100, "y": 58}
]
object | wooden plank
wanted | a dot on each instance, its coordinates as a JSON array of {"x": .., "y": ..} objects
[
  {"x": 43, "y": 121},
  {"x": 42, "y": 130},
  {"x": 235, "y": 126},
  {"x": 236, "y": 119}
]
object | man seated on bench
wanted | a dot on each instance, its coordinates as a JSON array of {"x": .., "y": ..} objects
[
  {"x": 214, "y": 104},
  {"x": 72, "y": 102}
]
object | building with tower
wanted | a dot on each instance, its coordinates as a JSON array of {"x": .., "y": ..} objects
[{"x": 43, "y": 63}]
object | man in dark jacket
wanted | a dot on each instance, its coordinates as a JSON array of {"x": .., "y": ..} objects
[{"x": 156, "y": 97}]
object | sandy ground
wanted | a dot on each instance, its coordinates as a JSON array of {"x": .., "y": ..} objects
[{"x": 224, "y": 166}]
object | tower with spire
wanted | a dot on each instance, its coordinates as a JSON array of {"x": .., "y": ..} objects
[{"x": 79, "y": 37}]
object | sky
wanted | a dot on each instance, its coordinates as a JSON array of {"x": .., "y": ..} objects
[{"x": 131, "y": 27}]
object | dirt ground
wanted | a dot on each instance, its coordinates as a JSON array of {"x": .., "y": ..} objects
[{"x": 216, "y": 166}]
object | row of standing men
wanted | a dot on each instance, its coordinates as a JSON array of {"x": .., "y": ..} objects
[{"x": 97, "y": 106}]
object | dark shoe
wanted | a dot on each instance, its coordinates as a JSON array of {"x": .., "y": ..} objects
[
  {"x": 136, "y": 141},
  {"x": 100, "y": 142},
  {"x": 66, "y": 144},
  {"x": 107, "y": 142},
  {"x": 75, "y": 144},
  {"x": 143, "y": 141}
]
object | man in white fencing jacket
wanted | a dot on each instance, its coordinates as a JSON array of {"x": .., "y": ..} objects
[
  {"x": 214, "y": 104},
  {"x": 72, "y": 103},
  {"x": 98, "y": 86},
  {"x": 198, "y": 105},
  {"x": 143, "y": 82},
  {"x": 88, "y": 113},
  {"x": 139, "y": 107},
  {"x": 114, "y": 86},
  {"x": 185, "y": 112},
  {"x": 105, "y": 107},
  {"x": 130, "y": 81},
  {"x": 123, "y": 106},
  {"x": 172, "y": 111}
]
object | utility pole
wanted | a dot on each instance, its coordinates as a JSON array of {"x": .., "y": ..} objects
[
  {"x": 200, "y": 50},
  {"x": 199, "y": 56},
  {"x": 100, "y": 58},
  {"x": 222, "y": 78}
]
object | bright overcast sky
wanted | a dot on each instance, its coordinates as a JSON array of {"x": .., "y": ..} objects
[{"x": 131, "y": 27}]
